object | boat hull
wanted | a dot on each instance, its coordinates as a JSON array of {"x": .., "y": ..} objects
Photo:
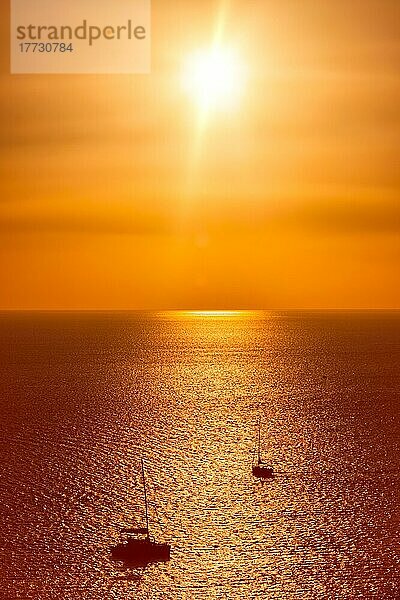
[
  {"x": 263, "y": 472},
  {"x": 141, "y": 552}
]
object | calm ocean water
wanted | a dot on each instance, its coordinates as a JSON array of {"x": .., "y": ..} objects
[{"x": 85, "y": 396}]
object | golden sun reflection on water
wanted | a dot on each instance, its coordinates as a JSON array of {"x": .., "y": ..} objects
[
  {"x": 217, "y": 313},
  {"x": 184, "y": 391},
  {"x": 205, "y": 315}
]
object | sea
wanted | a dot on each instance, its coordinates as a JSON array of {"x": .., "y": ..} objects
[{"x": 85, "y": 396}]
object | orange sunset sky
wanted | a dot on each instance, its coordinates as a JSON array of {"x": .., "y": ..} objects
[{"x": 117, "y": 192}]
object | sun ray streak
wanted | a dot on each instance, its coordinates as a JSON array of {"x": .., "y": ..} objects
[{"x": 214, "y": 78}]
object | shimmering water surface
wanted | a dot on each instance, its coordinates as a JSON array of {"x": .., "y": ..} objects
[{"x": 85, "y": 396}]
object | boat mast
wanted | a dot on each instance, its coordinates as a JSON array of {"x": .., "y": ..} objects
[
  {"x": 145, "y": 500},
  {"x": 259, "y": 440}
]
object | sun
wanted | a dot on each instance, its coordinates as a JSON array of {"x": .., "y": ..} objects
[{"x": 214, "y": 78}]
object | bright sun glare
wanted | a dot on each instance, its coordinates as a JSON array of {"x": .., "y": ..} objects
[{"x": 214, "y": 78}]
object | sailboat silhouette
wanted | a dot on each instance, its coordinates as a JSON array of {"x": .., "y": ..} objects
[
  {"x": 260, "y": 469},
  {"x": 141, "y": 550}
]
